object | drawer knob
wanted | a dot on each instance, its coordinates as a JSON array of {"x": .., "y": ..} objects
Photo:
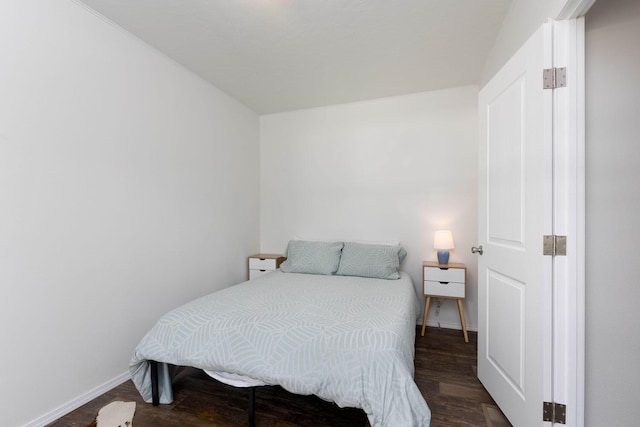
[{"x": 444, "y": 283}]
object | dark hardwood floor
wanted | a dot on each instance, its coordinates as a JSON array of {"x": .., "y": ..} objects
[{"x": 445, "y": 373}]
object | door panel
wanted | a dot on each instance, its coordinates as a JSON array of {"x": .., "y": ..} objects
[
  {"x": 505, "y": 151},
  {"x": 505, "y": 328}
]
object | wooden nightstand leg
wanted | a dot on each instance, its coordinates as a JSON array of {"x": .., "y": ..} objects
[
  {"x": 462, "y": 321},
  {"x": 424, "y": 317}
]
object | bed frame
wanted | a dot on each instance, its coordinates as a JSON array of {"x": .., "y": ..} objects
[{"x": 155, "y": 393}]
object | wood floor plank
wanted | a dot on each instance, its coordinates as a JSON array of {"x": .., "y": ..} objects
[{"x": 445, "y": 372}]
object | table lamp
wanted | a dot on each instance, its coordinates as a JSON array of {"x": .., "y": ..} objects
[{"x": 443, "y": 241}]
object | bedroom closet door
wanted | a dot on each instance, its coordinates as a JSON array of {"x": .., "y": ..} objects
[{"x": 515, "y": 212}]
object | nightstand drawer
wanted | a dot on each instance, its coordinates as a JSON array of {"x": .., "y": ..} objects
[
  {"x": 444, "y": 275},
  {"x": 257, "y": 273},
  {"x": 262, "y": 264},
  {"x": 443, "y": 289}
]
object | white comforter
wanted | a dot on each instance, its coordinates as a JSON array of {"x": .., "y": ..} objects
[{"x": 345, "y": 339}]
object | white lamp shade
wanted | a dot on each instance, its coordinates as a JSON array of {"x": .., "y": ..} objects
[{"x": 443, "y": 239}]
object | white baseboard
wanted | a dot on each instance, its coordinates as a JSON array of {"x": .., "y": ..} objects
[{"x": 64, "y": 409}]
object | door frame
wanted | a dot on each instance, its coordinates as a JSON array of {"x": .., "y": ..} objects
[
  {"x": 571, "y": 304},
  {"x": 568, "y": 310},
  {"x": 569, "y": 217}
]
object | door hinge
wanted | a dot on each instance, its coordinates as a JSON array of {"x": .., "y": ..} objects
[
  {"x": 554, "y": 412},
  {"x": 553, "y": 78},
  {"x": 554, "y": 245}
]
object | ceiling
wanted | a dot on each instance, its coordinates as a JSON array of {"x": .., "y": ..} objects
[{"x": 282, "y": 55}]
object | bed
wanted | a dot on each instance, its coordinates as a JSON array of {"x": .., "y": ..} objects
[{"x": 345, "y": 338}]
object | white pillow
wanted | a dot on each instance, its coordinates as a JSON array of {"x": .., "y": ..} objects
[
  {"x": 375, "y": 261},
  {"x": 310, "y": 257}
]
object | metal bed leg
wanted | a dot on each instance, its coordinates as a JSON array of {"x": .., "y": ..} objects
[
  {"x": 252, "y": 406},
  {"x": 155, "y": 395}
]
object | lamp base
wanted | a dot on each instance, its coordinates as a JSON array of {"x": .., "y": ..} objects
[{"x": 443, "y": 257}]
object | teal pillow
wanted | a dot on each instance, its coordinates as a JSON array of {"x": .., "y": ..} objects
[
  {"x": 375, "y": 261},
  {"x": 312, "y": 257}
]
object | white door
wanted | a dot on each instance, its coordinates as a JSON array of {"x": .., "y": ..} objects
[{"x": 515, "y": 211}]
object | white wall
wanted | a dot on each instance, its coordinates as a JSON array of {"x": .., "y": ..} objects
[
  {"x": 612, "y": 206},
  {"x": 127, "y": 186},
  {"x": 522, "y": 20},
  {"x": 387, "y": 169}
]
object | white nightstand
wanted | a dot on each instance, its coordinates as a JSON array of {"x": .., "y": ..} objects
[
  {"x": 263, "y": 263},
  {"x": 444, "y": 281}
]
